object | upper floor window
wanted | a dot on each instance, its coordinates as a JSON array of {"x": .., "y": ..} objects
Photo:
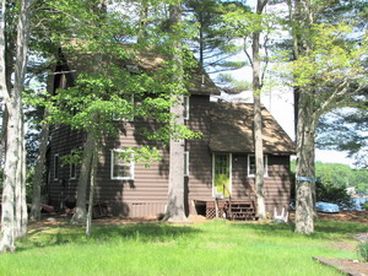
[
  {"x": 186, "y": 107},
  {"x": 252, "y": 165},
  {"x": 121, "y": 169},
  {"x": 56, "y": 166}
]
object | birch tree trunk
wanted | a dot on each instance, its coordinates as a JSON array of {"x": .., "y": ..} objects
[
  {"x": 7, "y": 242},
  {"x": 21, "y": 215},
  {"x": 175, "y": 208},
  {"x": 257, "y": 125},
  {"x": 38, "y": 179},
  {"x": 79, "y": 216},
  {"x": 91, "y": 191}
]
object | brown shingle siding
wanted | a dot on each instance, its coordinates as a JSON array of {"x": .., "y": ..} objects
[{"x": 147, "y": 195}]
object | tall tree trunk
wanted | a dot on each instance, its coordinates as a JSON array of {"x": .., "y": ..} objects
[
  {"x": 175, "y": 208},
  {"x": 91, "y": 191},
  {"x": 7, "y": 242},
  {"x": 38, "y": 178},
  {"x": 24, "y": 215},
  {"x": 14, "y": 219},
  {"x": 257, "y": 125},
  {"x": 305, "y": 169},
  {"x": 20, "y": 71},
  {"x": 301, "y": 17},
  {"x": 79, "y": 216},
  {"x": 201, "y": 40},
  {"x": 21, "y": 215}
]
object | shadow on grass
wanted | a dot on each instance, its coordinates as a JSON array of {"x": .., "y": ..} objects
[
  {"x": 323, "y": 229},
  {"x": 141, "y": 232}
]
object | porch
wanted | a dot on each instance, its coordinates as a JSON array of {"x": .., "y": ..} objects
[{"x": 227, "y": 208}]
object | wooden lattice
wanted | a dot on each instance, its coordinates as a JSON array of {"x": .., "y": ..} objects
[
  {"x": 211, "y": 212},
  {"x": 239, "y": 209}
]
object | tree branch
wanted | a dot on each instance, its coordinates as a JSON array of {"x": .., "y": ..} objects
[
  {"x": 246, "y": 52},
  {"x": 342, "y": 90}
]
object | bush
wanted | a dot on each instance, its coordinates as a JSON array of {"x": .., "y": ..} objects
[
  {"x": 363, "y": 250},
  {"x": 365, "y": 206},
  {"x": 330, "y": 193}
]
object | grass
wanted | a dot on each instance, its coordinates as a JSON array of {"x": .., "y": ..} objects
[{"x": 213, "y": 248}]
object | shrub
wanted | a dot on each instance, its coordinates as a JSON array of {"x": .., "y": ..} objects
[
  {"x": 365, "y": 206},
  {"x": 330, "y": 193},
  {"x": 363, "y": 250}
]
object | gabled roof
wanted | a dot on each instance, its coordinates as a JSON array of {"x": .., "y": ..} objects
[
  {"x": 232, "y": 130},
  {"x": 199, "y": 82}
]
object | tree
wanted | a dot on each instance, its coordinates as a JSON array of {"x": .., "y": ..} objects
[
  {"x": 211, "y": 43},
  {"x": 250, "y": 26},
  {"x": 39, "y": 170},
  {"x": 14, "y": 208},
  {"x": 257, "y": 125},
  {"x": 175, "y": 208},
  {"x": 326, "y": 71}
]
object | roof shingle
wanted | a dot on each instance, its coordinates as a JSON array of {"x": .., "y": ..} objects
[{"x": 232, "y": 130}]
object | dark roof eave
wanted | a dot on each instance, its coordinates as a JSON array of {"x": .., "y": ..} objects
[
  {"x": 206, "y": 92},
  {"x": 252, "y": 152}
]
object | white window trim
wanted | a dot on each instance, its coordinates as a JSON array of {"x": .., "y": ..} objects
[
  {"x": 70, "y": 171},
  {"x": 132, "y": 167},
  {"x": 230, "y": 173},
  {"x": 56, "y": 177},
  {"x": 117, "y": 119},
  {"x": 187, "y": 107},
  {"x": 265, "y": 165},
  {"x": 186, "y": 172}
]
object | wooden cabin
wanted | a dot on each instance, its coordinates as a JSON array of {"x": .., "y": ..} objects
[{"x": 218, "y": 167}]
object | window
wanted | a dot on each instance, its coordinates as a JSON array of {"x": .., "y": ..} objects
[
  {"x": 186, "y": 163},
  {"x": 73, "y": 171},
  {"x": 186, "y": 107},
  {"x": 56, "y": 166},
  {"x": 252, "y": 165},
  {"x": 121, "y": 169},
  {"x": 117, "y": 117}
]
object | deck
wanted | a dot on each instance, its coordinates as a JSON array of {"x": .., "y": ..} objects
[{"x": 229, "y": 209}]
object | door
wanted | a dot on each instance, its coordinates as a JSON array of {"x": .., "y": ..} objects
[{"x": 221, "y": 174}]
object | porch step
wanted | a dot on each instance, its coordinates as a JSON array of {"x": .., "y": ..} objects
[{"x": 242, "y": 211}]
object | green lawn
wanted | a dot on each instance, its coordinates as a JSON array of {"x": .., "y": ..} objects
[{"x": 213, "y": 248}]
